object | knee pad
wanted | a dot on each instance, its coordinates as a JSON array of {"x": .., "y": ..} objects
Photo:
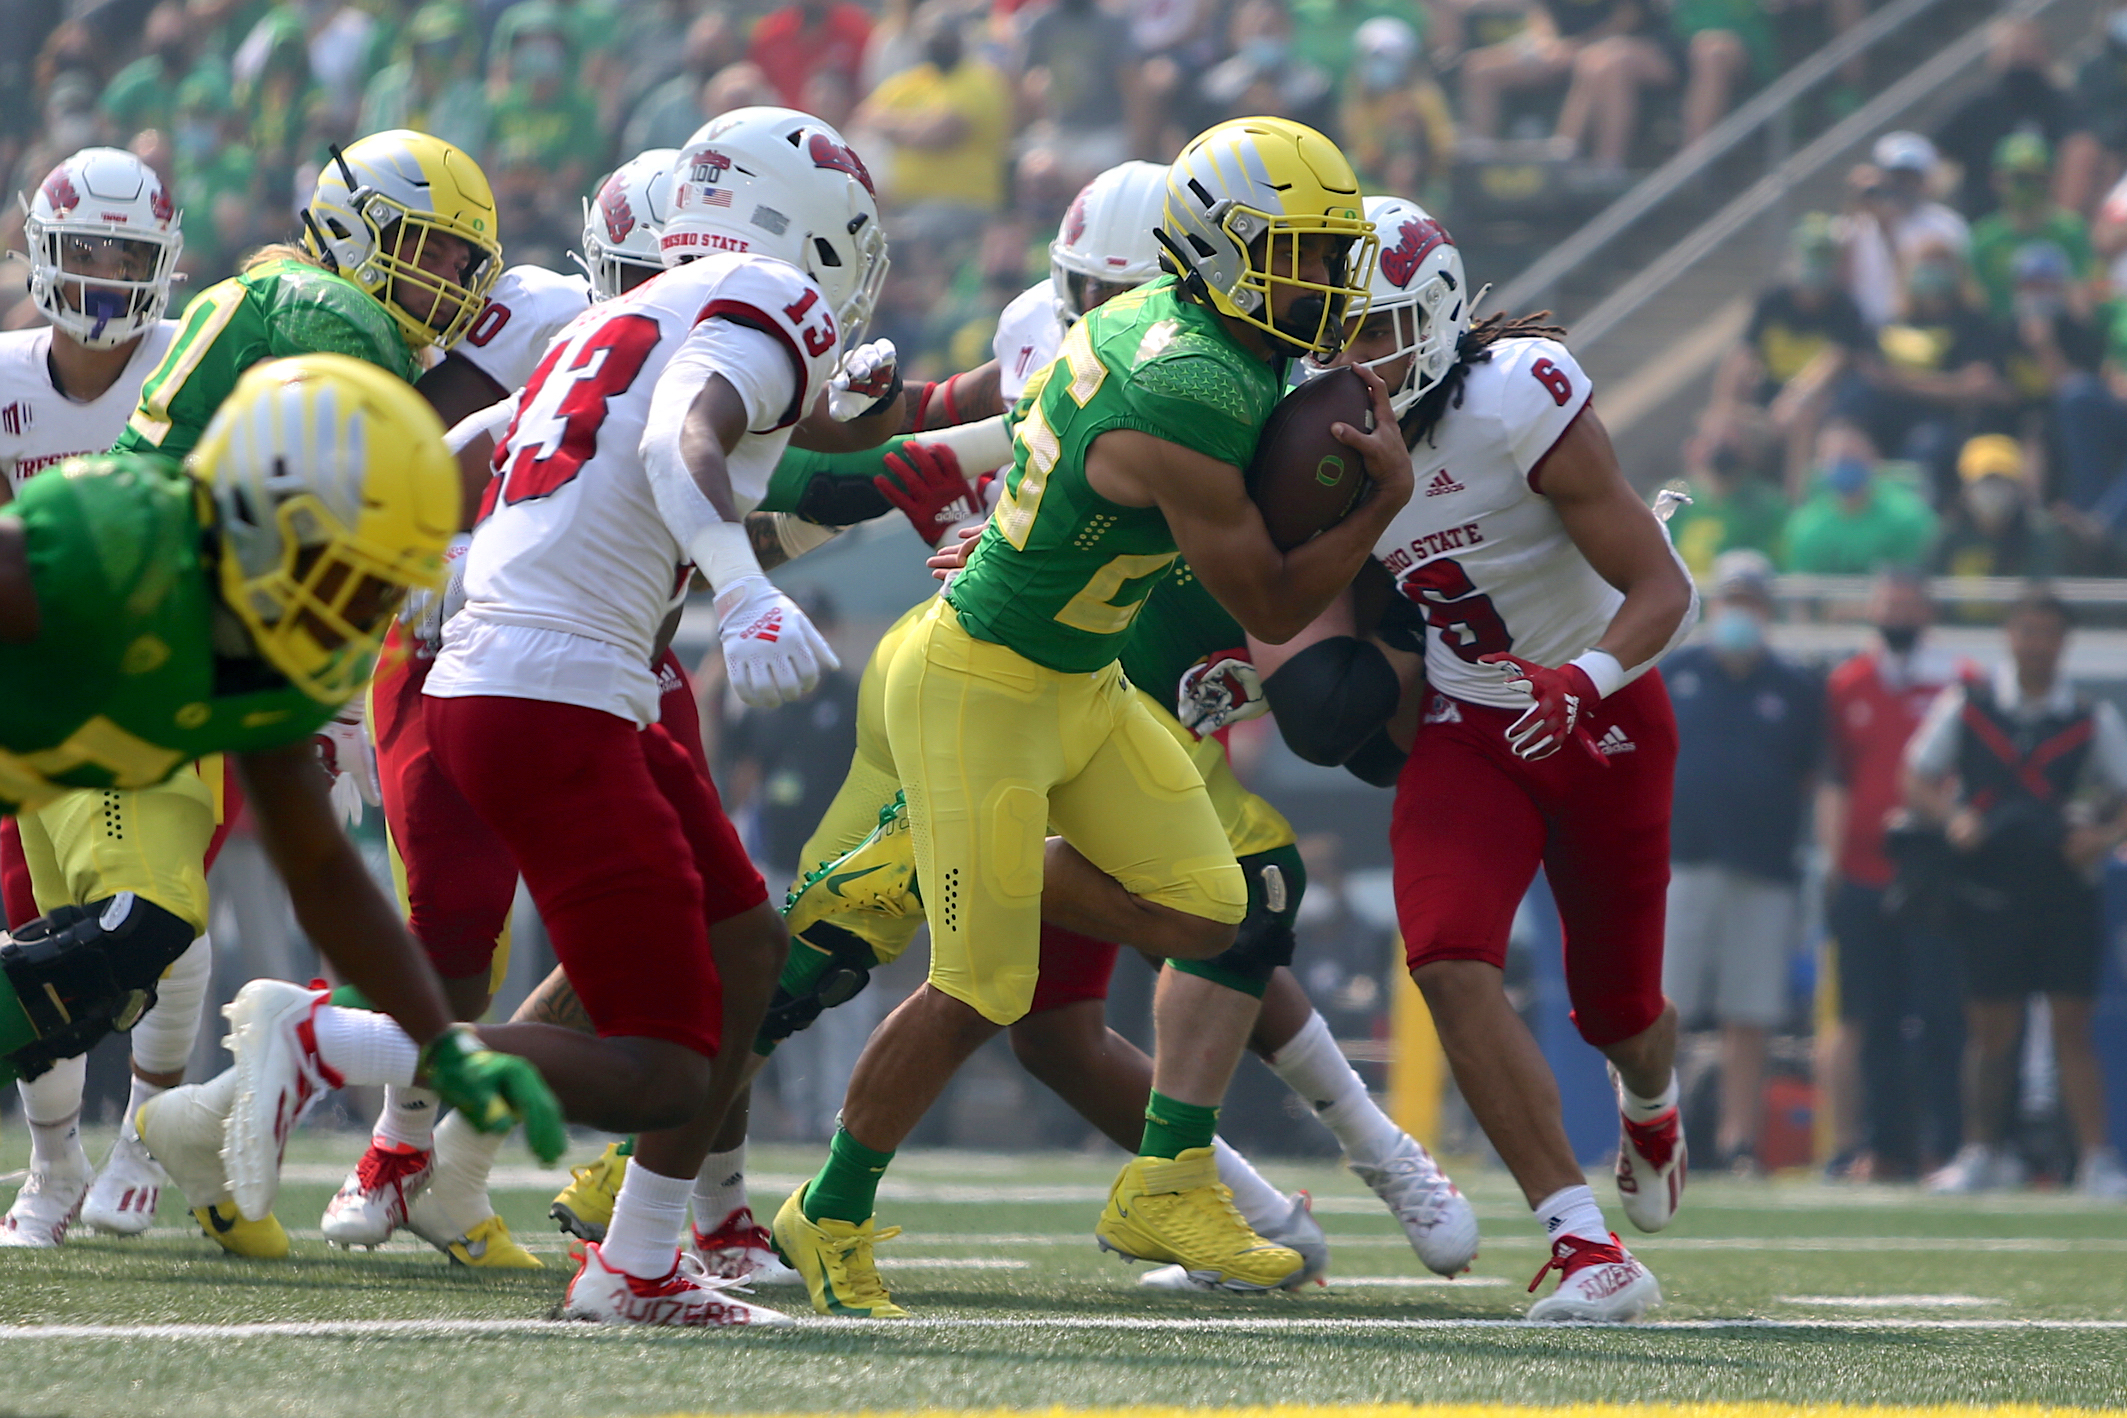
[
  {"x": 1276, "y": 881},
  {"x": 828, "y": 966},
  {"x": 1331, "y": 696},
  {"x": 82, "y": 971}
]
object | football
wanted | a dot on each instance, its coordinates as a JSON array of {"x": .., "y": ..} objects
[{"x": 1302, "y": 478}]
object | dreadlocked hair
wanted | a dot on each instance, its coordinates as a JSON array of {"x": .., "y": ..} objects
[{"x": 1474, "y": 348}]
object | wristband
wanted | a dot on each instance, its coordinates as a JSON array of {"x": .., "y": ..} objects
[
  {"x": 799, "y": 536},
  {"x": 1603, "y": 671},
  {"x": 722, "y": 552},
  {"x": 893, "y": 392},
  {"x": 923, "y": 403}
]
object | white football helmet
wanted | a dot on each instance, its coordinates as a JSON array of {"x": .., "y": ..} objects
[
  {"x": 104, "y": 240},
  {"x": 782, "y": 183},
  {"x": 1418, "y": 279},
  {"x": 1106, "y": 235},
  {"x": 621, "y": 223}
]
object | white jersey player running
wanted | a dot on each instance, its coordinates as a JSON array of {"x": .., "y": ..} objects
[
  {"x": 1547, "y": 591},
  {"x": 103, "y": 240}
]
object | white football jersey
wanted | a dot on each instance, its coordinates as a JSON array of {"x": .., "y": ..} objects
[
  {"x": 1027, "y": 339},
  {"x": 570, "y": 541},
  {"x": 1480, "y": 549},
  {"x": 39, "y": 426},
  {"x": 525, "y": 310}
]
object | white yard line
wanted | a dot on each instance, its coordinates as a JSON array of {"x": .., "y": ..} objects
[{"x": 1892, "y": 1302}]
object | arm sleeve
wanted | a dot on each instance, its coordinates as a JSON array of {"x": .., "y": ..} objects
[
  {"x": 755, "y": 366},
  {"x": 1932, "y": 751}
]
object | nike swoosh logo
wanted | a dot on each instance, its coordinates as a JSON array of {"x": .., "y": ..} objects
[
  {"x": 834, "y": 883},
  {"x": 214, "y": 1218}
]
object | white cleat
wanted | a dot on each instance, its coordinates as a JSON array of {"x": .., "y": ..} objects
[
  {"x": 372, "y": 1202},
  {"x": 685, "y": 1297},
  {"x": 2100, "y": 1174},
  {"x": 739, "y": 1249},
  {"x": 1434, "y": 1213},
  {"x": 127, "y": 1190},
  {"x": 1599, "y": 1282},
  {"x": 278, "y": 1074},
  {"x": 182, "y": 1130},
  {"x": 44, "y": 1208},
  {"x": 1651, "y": 1165},
  {"x": 1977, "y": 1168}
]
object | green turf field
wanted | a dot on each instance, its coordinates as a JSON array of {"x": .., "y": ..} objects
[{"x": 1786, "y": 1292}]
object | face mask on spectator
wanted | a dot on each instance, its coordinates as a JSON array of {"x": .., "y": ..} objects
[
  {"x": 1899, "y": 639},
  {"x": 2038, "y": 304},
  {"x": 1931, "y": 281},
  {"x": 540, "y": 59},
  {"x": 195, "y": 139},
  {"x": 1736, "y": 633},
  {"x": 1846, "y": 476},
  {"x": 1379, "y": 73},
  {"x": 1993, "y": 501},
  {"x": 1264, "y": 51},
  {"x": 943, "y": 50}
]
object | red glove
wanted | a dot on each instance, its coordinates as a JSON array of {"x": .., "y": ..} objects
[
  {"x": 1562, "y": 696},
  {"x": 924, "y": 480}
]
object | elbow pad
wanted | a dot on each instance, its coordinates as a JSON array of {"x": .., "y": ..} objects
[
  {"x": 1377, "y": 762},
  {"x": 834, "y": 499},
  {"x": 1331, "y": 697}
]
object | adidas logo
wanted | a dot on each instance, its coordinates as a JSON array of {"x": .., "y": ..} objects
[
  {"x": 1614, "y": 741},
  {"x": 1442, "y": 485}
]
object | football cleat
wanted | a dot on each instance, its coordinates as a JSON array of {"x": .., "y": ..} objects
[
  {"x": 371, "y": 1203},
  {"x": 834, "y": 1260},
  {"x": 739, "y": 1249},
  {"x": 44, "y": 1209},
  {"x": 278, "y": 1075},
  {"x": 1598, "y": 1281},
  {"x": 682, "y": 1298},
  {"x": 1977, "y": 1168},
  {"x": 470, "y": 1234},
  {"x": 1300, "y": 1232},
  {"x": 876, "y": 877},
  {"x": 1435, "y": 1215},
  {"x": 1176, "y": 1212},
  {"x": 254, "y": 1240},
  {"x": 584, "y": 1208},
  {"x": 1650, "y": 1165},
  {"x": 127, "y": 1190},
  {"x": 182, "y": 1130}
]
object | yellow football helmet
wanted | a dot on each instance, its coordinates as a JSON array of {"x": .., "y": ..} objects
[
  {"x": 379, "y": 205},
  {"x": 334, "y": 496},
  {"x": 1241, "y": 200}
]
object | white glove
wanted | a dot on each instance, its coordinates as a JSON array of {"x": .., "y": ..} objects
[
  {"x": 347, "y": 755},
  {"x": 1220, "y": 689},
  {"x": 771, "y": 651},
  {"x": 864, "y": 376},
  {"x": 427, "y": 612}
]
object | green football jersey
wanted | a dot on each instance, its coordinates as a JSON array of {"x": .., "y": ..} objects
[
  {"x": 1060, "y": 573},
  {"x": 122, "y": 684},
  {"x": 278, "y": 309},
  {"x": 1181, "y": 624}
]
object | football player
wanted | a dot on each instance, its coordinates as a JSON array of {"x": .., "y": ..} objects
[
  {"x": 1006, "y": 711},
  {"x": 1545, "y": 591}
]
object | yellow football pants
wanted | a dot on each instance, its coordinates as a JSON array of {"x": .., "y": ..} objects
[
  {"x": 992, "y": 749},
  {"x": 96, "y": 842}
]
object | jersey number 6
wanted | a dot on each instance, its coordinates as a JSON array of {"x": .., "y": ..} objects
[
  {"x": 1554, "y": 380},
  {"x": 1468, "y": 623}
]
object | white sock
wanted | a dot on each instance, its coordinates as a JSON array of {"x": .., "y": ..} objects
[
  {"x": 1645, "y": 1110},
  {"x": 719, "y": 1188},
  {"x": 458, "y": 1187},
  {"x": 51, "y": 1105},
  {"x": 1315, "y": 1068},
  {"x": 142, "y": 1091},
  {"x": 1571, "y": 1211},
  {"x": 643, "y": 1237},
  {"x": 365, "y": 1048},
  {"x": 163, "y": 1039},
  {"x": 408, "y": 1119},
  {"x": 1261, "y": 1205}
]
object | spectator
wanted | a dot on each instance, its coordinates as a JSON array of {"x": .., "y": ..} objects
[
  {"x": 273, "y": 86},
  {"x": 2100, "y": 92},
  {"x": 544, "y": 141},
  {"x": 1936, "y": 369},
  {"x": 218, "y": 178},
  {"x": 431, "y": 87},
  {"x": 1396, "y": 125},
  {"x": 2026, "y": 779},
  {"x": 791, "y": 44},
  {"x": 946, "y": 122},
  {"x": 1079, "y": 86},
  {"x": 1726, "y": 41},
  {"x": 1325, "y": 33},
  {"x": 1732, "y": 474},
  {"x": 1611, "y": 49},
  {"x": 1897, "y": 1002},
  {"x": 669, "y": 114},
  {"x": 2023, "y": 98},
  {"x": 1891, "y": 220},
  {"x": 1857, "y": 520},
  {"x": 2027, "y": 212},
  {"x": 1264, "y": 74},
  {"x": 1993, "y": 529},
  {"x": 1749, "y": 731},
  {"x": 144, "y": 93}
]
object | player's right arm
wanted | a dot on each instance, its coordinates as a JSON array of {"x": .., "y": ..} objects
[{"x": 1274, "y": 595}]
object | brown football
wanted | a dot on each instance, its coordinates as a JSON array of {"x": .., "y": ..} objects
[{"x": 1302, "y": 478}]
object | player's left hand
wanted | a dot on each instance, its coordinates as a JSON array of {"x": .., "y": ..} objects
[
  {"x": 495, "y": 1090},
  {"x": 771, "y": 650},
  {"x": 350, "y": 759},
  {"x": 924, "y": 480},
  {"x": 947, "y": 560},
  {"x": 1562, "y": 696},
  {"x": 1220, "y": 689},
  {"x": 866, "y": 375}
]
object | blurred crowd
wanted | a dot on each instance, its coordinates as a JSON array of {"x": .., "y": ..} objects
[{"x": 1938, "y": 378}]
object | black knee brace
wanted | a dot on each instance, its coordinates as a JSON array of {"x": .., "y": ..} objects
[
  {"x": 1276, "y": 881},
  {"x": 828, "y": 966},
  {"x": 83, "y": 971}
]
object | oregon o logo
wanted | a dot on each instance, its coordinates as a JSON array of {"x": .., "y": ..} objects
[{"x": 1330, "y": 471}]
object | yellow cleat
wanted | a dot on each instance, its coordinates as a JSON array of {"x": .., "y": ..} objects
[
  {"x": 877, "y": 877},
  {"x": 489, "y": 1246},
  {"x": 584, "y": 1208},
  {"x": 257, "y": 1240},
  {"x": 834, "y": 1257},
  {"x": 1176, "y": 1213}
]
